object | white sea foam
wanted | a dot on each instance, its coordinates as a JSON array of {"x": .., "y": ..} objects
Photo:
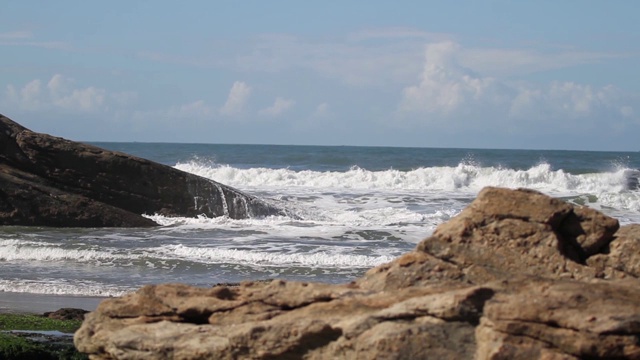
[
  {"x": 465, "y": 179},
  {"x": 49, "y": 286},
  {"x": 317, "y": 259},
  {"x": 320, "y": 221},
  {"x": 10, "y": 251},
  {"x": 445, "y": 178}
]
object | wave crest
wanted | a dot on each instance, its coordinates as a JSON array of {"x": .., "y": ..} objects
[{"x": 464, "y": 176}]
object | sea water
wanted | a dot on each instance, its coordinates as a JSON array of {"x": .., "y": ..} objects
[{"x": 354, "y": 207}]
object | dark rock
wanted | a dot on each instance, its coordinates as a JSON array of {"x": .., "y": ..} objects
[
  {"x": 510, "y": 277},
  {"x": 66, "y": 314},
  {"x": 50, "y": 181}
]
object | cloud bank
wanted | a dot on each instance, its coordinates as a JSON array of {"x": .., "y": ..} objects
[
  {"x": 448, "y": 93},
  {"x": 279, "y": 106},
  {"x": 237, "y": 99},
  {"x": 379, "y": 82},
  {"x": 61, "y": 92}
]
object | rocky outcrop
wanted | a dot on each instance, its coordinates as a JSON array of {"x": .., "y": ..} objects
[
  {"x": 66, "y": 314},
  {"x": 516, "y": 275},
  {"x": 50, "y": 181}
]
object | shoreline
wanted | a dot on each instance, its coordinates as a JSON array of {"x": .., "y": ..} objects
[{"x": 30, "y": 303}]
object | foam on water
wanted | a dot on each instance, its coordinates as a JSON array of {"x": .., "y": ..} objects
[
  {"x": 12, "y": 251},
  {"x": 236, "y": 256},
  {"x": 51, "y": 286},
  {"x": 324, "y": 218},
  {"x": 432, "y": 178},
  {"x": 157, "y": 257},
  {"x": 465, "y": 178}
]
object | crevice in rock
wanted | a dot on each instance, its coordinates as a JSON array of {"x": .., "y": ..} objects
[
  {"x": 192, "y": 316},
  {"x": 285, "y": 307},
  {"x": 548, "y": 344},
  {"x": 571, "y": 249},
  {"x": 307, "y": 343},
  {"x": 224, "y": 293},
  {"x": 501, "y": 217},
  {"x": 606, "y": 250},
  {"x": 476, "y": 302},
  {"x": 305, "y": 304},
  {"x": 555, "y": 325}
]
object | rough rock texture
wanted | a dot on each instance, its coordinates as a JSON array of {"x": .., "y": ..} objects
[
  {"x": 502, "y": 234},
  {"x": 66, "y": 314},
  {"x": 511, "y": 277},
  {"x": 562, "y": 319},
  {"x": 620, "y": 258},
  {"x": 50, "y": 181}
]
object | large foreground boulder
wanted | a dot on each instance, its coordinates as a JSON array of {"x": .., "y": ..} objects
[
  {"x": 511, "y": 277},
  {"x": 50, "y": 181}
]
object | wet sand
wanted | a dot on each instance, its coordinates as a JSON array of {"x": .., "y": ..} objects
[{"x": 11, "y": 302}]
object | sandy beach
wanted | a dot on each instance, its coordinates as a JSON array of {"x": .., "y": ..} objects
[{"x": 13, "y": 302}]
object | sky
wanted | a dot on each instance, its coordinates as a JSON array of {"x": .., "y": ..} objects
[{"x": 464, "y": 74}]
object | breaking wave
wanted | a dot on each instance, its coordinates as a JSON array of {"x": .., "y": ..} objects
[{"x": 447, "y": 178}]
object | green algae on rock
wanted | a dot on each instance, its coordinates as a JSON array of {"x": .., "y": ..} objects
[{"x": 29, "y": 336}]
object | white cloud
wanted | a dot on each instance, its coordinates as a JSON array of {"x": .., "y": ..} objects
[
  {"x": 89, "y": 99},
  {"x": 238, "y": 96},
  {"x": 570, "y": 101},
  {"x": 196, "y": 109},
  {"x": 393, "y": 55},
  {"x": 393, "y": 60},
  {"x": 387, "y": 57},
  {"x": 59, "y": 84},
  {"x": 31, "y": 93},
  {"x": 62, "y": 94},
  {"x": 28, "y": 97},
  {"x": 578, "y": 100},
  {"x": 321, "y": 114},
  {"x": 445, "y": 87},
  {"x": 280, "y": 105},
  {"x": 626, "y": 111},
  {"x": 449, "y": 93},
  {"x": 351, "y": 59}
]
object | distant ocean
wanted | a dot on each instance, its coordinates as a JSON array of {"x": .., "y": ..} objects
[{"x": 356, "y": 207}]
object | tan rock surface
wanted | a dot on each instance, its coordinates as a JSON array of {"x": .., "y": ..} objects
[
  {"x": 584, "y": 320},
  {"x": 510, "y": 277},
  {"x": 621, "y": 258}
]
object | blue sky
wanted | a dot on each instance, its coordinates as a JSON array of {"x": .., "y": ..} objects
[{"x": 488, "y": 74}]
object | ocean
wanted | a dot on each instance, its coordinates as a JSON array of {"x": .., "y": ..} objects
[{"x": 353, "y": 208}]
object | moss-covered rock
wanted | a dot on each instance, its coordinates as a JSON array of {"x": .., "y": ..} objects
[{"x": 28, "y": 336}]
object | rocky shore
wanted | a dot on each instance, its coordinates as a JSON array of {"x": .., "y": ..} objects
[
  {"x": 47, "y": 336},
  {"x": 50, "y": 181},
  {"x": 516, "y": 275}
]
